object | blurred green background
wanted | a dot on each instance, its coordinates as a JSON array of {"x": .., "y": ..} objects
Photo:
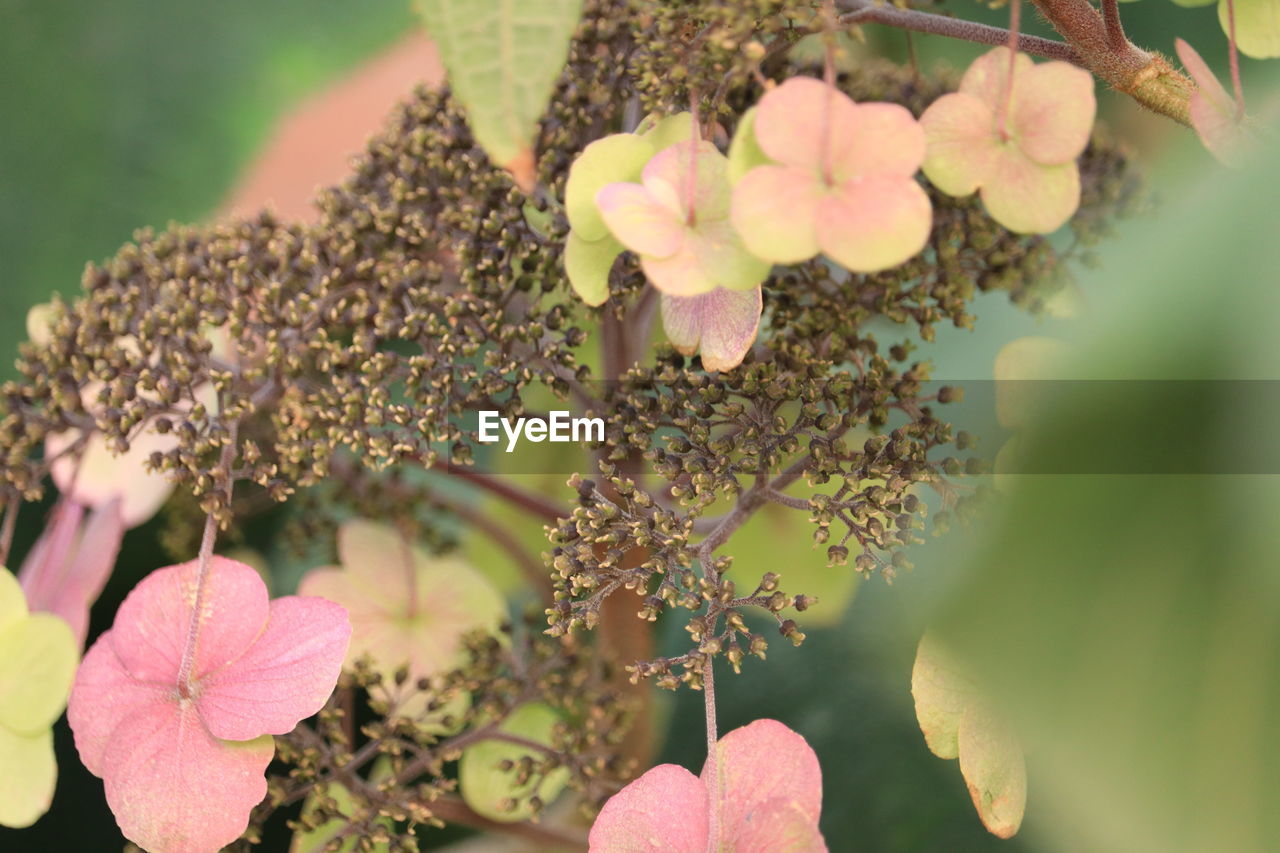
[{"x": 138, "y": 112}]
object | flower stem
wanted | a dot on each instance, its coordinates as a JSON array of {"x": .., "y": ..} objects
[
  {"x": 1015, "y": 25},
  {"x": 1234, "y": 52},
  {"x": 713, "y": 764}
]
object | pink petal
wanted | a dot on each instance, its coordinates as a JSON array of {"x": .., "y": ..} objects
[
  {"x": 884, "y": 139},
  {"x": 100, "y": 475},
  {"x": 67, "y": 587},
  {"x": 762, "y": 765},
  {"x": 986, "y": 79},
  {"x": 723, "y": 322},
  {"x": 681, "y": 274},
  {"x": 773, "y": 211},
  {"x": 44, "y": 568},
  {"x": 1029, "y": 198},
  {"x": 804, "y": 122},
  {"x": 962, "y": 145},
  {"x": 1053, "y": 110},
  {"x": 176, "y": 789},
  {"x": 1214, "y": 113},
  {"x": 667, "y": 179},
  {"x": 152, "y": 625},
  {"x": 777, "y": 826},
  {"x": 874, "y": 223},
  {"x": 286, "y": 675},
  {"x": 664, "y": 811},
  {"x": 379, "y": 562},
  {"x": 105, "y": 694},
  {"x": 639, "y": 221}
]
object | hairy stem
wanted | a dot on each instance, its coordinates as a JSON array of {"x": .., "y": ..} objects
[
  {"x": 713, "y": 764},
  {"x": 869, "y": 12},
  {"x": 1233, "y": 51}
]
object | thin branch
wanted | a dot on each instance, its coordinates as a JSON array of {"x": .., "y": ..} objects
[
  {"x": 868, "y": 12},
  {"x": 530, "y": 502},
  {"x": 712, "y": 769},
  {"x": 10, "y": 521},
  {"x": 452, "y": 809},
  {"x": 1233, "y": 51},
  {"x": 531, "y": 567},
  {"x": 1115, "y": 28}
]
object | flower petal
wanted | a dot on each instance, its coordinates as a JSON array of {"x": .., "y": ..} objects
[
  {"x": 100, "y": 475},
  {"x": 612, "y": 159},
  {"x": 286, "y": 676},
  {"x": 66, "y": 582},
  {"x": 723, "y": 258},
  {"x": 1214, "y": 113},
  {"x": 987, "y": 78},
  {"x": 38, "y": 658},
  {"x": 104, "y": 694},
  {"x": 152, "y": 625},
  {"x": 777, "y": 826},
  {"x": 666, "y": 177},
  {"x": 639, "y": 222},
  {"x": 681, "y": 274},
  {"x": 883, "y": 139},
  {"x": 745, "y": 153},
  {"x": 941, "y": 695},
  {"x": 724, "y": 322},
  {"x": 28, "y": 775},
  {"x": 874, "y": 223},
  {"x": 587, "y": 265},
  {"x": 174, "y": 788},
  {"x": 992, "y": 763},
  {"x": 1052, "y": 113},
  {"x": 379, "y": 562},
  {"x": 1257, "y": 27},
  {"x": 804, "y": 123},
  {"x": 762, "y": 765},
  {"x": 662, "y": 133},
  {"x": 664, "y": 810},
  {"x": 962, "y": 145},
  {"x": 1029, "y": 198},
  {"x": 774, "y": 211},
  {"x": 13, "y": 605}
]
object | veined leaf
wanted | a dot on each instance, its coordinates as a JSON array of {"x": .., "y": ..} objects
[{"x": 503, "y": 57}]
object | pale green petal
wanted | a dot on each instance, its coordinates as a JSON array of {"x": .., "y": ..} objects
[
  {"x": 28, "y": 775},
  {"x": 13, "y": 604},
  {"x": 487, "y": 788},
  {"x": 745, "y": 152},
  {"x": 614, "y": 159},
  {"x": 1257, "y": 27},
  {"x": 37, "y": 663},
  {"x": 665, "y": 132},
  {"x": 1028, "y": 198},
  {"x": 587, "y": 264}
]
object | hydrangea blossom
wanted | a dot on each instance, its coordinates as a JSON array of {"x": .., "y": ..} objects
[
  {"x": 175, "y": 706},
  {"x": 842, "y": 183},
  {"x": 37, "y": 661},
  {"x": 409, "y": 610},
  {"x": 677, "y": 220},
  {"x": 770, "y": 799},
  {"x": 1013, "y": 140}
]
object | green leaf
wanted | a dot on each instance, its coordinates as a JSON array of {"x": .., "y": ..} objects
[
  {"x": 496, "y": 793},
  {"x": 503, "y": 57}
]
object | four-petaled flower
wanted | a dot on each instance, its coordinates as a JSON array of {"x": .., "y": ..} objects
[
  {"x": 843, "y": 183},
  {"x": 677, "y": 220},
  {"x": 1016, "y": 141},
  {"x": 770, "y": 800},
  {"x": 175, "y": 706}
]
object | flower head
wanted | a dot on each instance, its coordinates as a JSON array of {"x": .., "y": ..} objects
[
  {"x": 174, "y": 707},
  {"x": 677, "y": 220},
  {"x": 842, "y": 183},
  {"x": 1013, "y": 140}
]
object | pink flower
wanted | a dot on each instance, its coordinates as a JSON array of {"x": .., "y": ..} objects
[
  {"x": 770, "y": 801},
  {"x": 1018, "y": 148},
  {"x": 1217, "y": 118},
  {"x": 843, "y": 184},
  {"x": 677, "y": 220},
  {"x": 182, "y": 759}
]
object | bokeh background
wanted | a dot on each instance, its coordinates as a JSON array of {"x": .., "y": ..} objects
[{"x": 134, "y": 113}]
